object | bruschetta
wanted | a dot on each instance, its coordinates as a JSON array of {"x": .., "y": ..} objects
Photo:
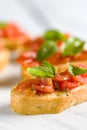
[
  {"x": 4, "y": 57},
  {"x": 50, "y": 92},
  {"x": 12, "y": 36},
  {"x": 58, "y": 53}
]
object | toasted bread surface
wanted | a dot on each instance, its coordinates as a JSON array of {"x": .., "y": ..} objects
[
  {"x": 47, "y": 103},
  {"x": 4, "y": 58}
]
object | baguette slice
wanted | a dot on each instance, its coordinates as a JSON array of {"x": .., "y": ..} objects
[
  {"x": 4, "y": 58},
  {"x": 8, "y": 43},
  {"x": 13, "y": 45},
  {"x": 59, "y": 68},
  {"x": 48, "y": 103}
]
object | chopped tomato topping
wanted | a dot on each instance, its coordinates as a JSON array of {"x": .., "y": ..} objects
[
  {"x": 68, "y": 85},
  {"x": 11, "y": 30},
  {"x": 38, "y": 84},
  {"x": 1, "y": 33},
  {"x": 36, "y": 43},
  {"x": 63, "y": 76},
  {"x": 59, "y": 59},
  {"x": 28, "y": 59},
  {"x": 44, "y": 85},
  {"x": 27, "y": 55},
  {"x": 82, "y": 79},
  {"x": 24, "y": 85},
  {"x": 29, "y": 63},
  {"x": 65, "y": 81},
  {"x": 81, "y": 56},
  {"x": 61, "y": 82}
]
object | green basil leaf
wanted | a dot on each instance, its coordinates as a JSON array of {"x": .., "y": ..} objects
[
  {"x": 46, "y": 70},
  {"x": 51, "y": 67},
  {"x": 72, "y": 47},
  {"x": 3, "y": 25},
  {"x": 47, "y": 49},
  {"x": 74, "y": 70},
  {"x": 54, "y": 35}
]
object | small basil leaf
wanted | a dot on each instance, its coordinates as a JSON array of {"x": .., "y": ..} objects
[
  {"x": 74, "y": 70},
  {"x": 54, "y": 35},
  {"x": 47, "y": 49},
  {"x": 3, "y": 25},
  {"x": 51, "y": 67},
  {"x": 72, "y": 47},
  {"x": 46, "y": 70},
  {"x": 40, "y": 72}
]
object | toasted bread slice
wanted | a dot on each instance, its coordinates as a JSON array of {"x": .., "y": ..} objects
[
  {"x": 4, "y": 58},
  {"x": 49, "y": 103},
  {"x": 13, "y": 44},
  {"x": 8, "y": 43},
  {"x": 59, "y": 68}
]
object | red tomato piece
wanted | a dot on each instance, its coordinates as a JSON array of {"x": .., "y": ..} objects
[
  {"x": 28, "y": 54},
  {"x": 29, "y": 63},
  {"x": 68, "y": 85},
  {"x": 44, "y": 85},
  {"x": 2, "y": 34},
  {"x": 65, "y": 81},
  {"x": 27, "y": 59},
  {"x": 63, "y": 76},
  {"x": 22, "y": 86},
  {"x": 12, "y": 30},
  {"x": 43, "y": 88},
  {"x": 81, "y": 56},
  {"x": 82, "y": 79}
]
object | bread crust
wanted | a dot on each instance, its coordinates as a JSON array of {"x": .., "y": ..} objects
[
  {"x": 13, "y": 44},
  {"x": 4, "y": 58},
  {"x": 48, "y": 103},
  {"x": 59, "y": 68}
]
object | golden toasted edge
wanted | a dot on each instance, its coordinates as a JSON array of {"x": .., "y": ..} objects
[
  {"x": 49, "y": 103},
  {"x": 13, "y": 45},
  {"x": 4, "y": 58},
  {"x": 59, "y": 68}
]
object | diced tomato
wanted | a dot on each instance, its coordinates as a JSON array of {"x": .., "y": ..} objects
[
  {"x": 12, "y": 30},
  {"x": 29, "y": 63},
  {"x": 23, "y": 38},
  {"x": 68, "y": 85},
  {"x": 81, "y": 56},
  {"x": 1, "y": 33},
  {"x": 38, "y": 84},
  {"x": 82, "y": 79},
  {"x": 30, "y": 56},
  {"x": 63, "y": 76},
  {"x": 27, "y": 55},
  {"x": 43, "y": 88},
  {"x": 36, "y": 43},
  {"x": 27, "y": 59},
  {"x": 64, "y": 81},
  {"x": 44, "y": 85},
  {"x": 24, "y": 85}
]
